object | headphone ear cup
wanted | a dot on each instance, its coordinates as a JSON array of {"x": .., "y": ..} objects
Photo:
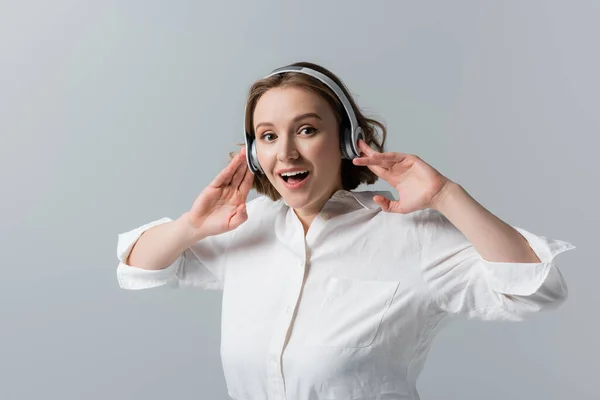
[
  {"x": 251, "y": 158},
  {"x": 347, "y": 144},
  {"x": 254, "y": 157},
  {"x": 344, "y": 137}
]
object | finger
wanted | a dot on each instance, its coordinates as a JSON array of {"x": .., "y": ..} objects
[
  {"x": 367, "y": 161},
  {"x": 374, "y": 163},
  {"x": 368, "y": 150},
  {"x": 239, "y": 174},
  {"x": 392, "y": 156},
  {"x": 378, "y": 170},
  {"x": 246, "y": 184},
  {"x": 389, "y": 156},
  {"x": 224, "y": 177}
]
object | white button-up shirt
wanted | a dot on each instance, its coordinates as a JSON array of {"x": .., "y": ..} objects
[{"x": 350, "y": 310}]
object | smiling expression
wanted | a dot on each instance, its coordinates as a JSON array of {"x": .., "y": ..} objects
[{"x": 297, "y": 143}]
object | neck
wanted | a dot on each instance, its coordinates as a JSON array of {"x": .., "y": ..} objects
[{"x": 306, "y": 217}]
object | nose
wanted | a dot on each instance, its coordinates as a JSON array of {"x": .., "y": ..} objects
[{"x": 287, "y": 150}]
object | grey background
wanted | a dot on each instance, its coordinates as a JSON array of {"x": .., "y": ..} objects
[{"x": 114, "y": 113}]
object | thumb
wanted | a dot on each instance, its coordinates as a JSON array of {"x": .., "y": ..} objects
[
  {"x": 388, "y": 205},
  {"x": 239, "y": 216},
  {"x": 382, "y": 202},
  {"x": 393, "y": 206}
]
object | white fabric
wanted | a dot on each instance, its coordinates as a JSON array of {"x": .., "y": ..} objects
[{"x": 349, "y": 312}]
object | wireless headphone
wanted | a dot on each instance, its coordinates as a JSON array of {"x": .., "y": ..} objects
[{"x": 349, "y": 135}]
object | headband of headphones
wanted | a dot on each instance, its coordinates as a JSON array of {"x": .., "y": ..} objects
[{"x": 350, "y": 136}]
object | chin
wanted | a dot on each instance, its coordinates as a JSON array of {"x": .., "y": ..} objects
[
  {"x": 296, "y": 200},
  {"x": 305, "y": 200},
  {"x": 306, "y": 196}
]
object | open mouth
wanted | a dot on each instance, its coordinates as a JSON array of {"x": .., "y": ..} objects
[{"x": 294, "y": 177}]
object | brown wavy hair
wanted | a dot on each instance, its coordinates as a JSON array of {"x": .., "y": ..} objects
[{"x": 352, "y": 175}]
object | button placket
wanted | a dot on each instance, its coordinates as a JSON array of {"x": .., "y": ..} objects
[{"x": 278, "y": 342}]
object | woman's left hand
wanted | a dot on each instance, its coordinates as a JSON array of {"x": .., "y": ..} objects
[{"x": 419, "y": 185}]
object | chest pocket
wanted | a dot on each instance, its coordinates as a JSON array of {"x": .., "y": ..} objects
[{"x": 351, "y": 312}]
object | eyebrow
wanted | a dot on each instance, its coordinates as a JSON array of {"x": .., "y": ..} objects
[{"x": 296, "y": 119}]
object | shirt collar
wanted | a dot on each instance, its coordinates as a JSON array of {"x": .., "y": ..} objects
[{"x": 364, "y": 198}]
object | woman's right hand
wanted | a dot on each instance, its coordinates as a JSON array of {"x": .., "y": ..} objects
[{"x": 221, "y": 207}]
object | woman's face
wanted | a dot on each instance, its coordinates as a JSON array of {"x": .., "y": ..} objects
[{"x": 297, "y": 143}]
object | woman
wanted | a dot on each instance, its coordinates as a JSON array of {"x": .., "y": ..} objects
[{"x": 331, "y": 293}]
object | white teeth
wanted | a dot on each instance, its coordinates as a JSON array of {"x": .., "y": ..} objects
[{"x": 293, "y": 173}]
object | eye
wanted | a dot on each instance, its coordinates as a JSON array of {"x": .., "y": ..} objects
[
  {"x": 269, "y": 137},
  {"x": 308, "y": 130}
]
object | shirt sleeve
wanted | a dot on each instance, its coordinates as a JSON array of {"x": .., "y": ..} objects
[
  {"x": 461, "y": 281},
  {"x": 198, "y": 266}
]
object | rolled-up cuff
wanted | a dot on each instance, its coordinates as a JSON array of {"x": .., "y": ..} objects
[
  {"x": 130, "y": 277},
  {"x": 126, "y": 240},
  {"x": 134, "y": 278},
  {"x": 524, "y": 279}
]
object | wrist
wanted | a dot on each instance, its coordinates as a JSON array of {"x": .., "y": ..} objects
[
  {"x": 445, "y": 196},
  {"x": 188, "y": 232}
]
